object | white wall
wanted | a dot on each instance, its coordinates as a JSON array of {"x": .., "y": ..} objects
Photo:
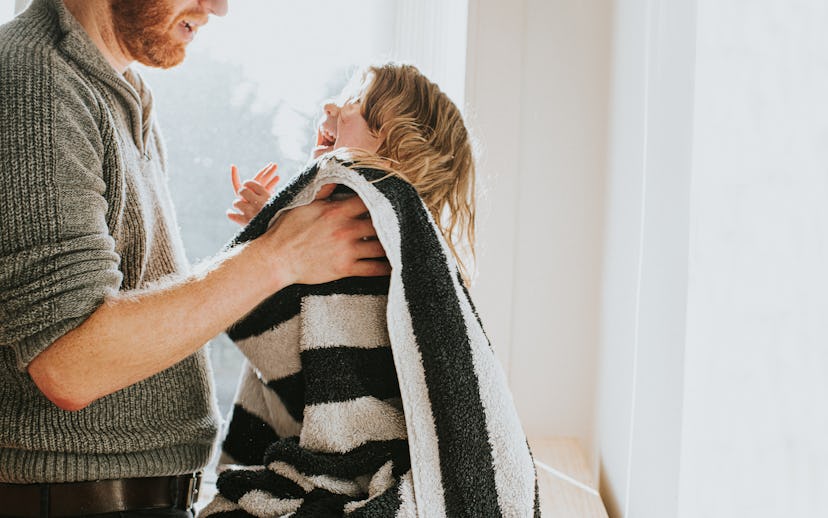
[
  {"x": 537, "y": 93},
  {"x": 493, "y": 100},
  {"x": 756, "y": 420},
  {"x": 719, "y": 115}
]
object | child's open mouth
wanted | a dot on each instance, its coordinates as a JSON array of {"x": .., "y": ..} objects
[
  {"x": 327, "y": 137},
  {"x": 325, "y": 141}
]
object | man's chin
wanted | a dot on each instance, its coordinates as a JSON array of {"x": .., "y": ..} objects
[{"x": 164, "y": 57}]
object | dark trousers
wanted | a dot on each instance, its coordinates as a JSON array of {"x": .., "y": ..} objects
[{"x": 148, "y": 513}]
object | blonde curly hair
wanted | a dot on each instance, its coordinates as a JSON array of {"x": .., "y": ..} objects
[{"x": 425, "y": 142}]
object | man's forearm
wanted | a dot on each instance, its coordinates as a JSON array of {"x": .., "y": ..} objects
[{"x": 135, "y": 336}]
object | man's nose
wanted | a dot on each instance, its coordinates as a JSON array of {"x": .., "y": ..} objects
[{"x": 217, "y": 7}]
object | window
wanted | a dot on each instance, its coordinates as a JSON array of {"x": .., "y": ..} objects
[
  {"x": 247, "y": 94},
  {"x": 251, "y": 88},
  {"x": 7, "y": 11}
]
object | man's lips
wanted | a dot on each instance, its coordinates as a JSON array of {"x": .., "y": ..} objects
[{"x": 192, "y": 23}]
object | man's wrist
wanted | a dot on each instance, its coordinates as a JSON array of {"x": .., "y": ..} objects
[{"x": 271, "y": 267}]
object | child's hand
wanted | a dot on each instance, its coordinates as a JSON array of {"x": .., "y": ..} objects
[{"x": 252, "y": 194}]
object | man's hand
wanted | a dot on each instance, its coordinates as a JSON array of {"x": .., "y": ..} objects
[
  {"x": 323, "y": 241},
  {"x": 134, "y": 336}
]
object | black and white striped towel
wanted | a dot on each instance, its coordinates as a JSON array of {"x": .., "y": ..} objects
[{"x": 374, "y": 397}]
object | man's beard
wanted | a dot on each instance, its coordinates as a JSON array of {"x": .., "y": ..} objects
[{"x": 143, "y": 28}]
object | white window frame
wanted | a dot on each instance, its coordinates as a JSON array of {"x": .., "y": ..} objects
[{"x": 641, "y": 389}]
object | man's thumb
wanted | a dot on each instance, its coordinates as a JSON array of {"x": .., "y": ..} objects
[{"x": 325, "y": 191}]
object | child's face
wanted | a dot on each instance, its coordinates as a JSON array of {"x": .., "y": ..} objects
[{"x": 343, "y": 125}]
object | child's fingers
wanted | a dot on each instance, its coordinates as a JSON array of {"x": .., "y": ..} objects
[
  {"x": 237, "y": 218},
  {"x": 252, "y": 200},
  {"x": 265, "y": 172},
  {"x": 270, "y": 179},
  {"x": 245, "y": 207},
  {"x": 256, "y": 188},
  {"x": 234, "y": 177},
  {"x": 261, "y": 172},
  {"x": 272, "y": 184}
]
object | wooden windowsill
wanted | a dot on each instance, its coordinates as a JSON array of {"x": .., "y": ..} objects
[{"x": 567, "y": 485}]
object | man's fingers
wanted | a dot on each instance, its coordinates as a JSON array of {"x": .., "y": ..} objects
[
  {"x": 370, "y": 268},
  {"x": 353, "y": 206},
  {"x": 370, "y": 249},
  {"x": 234, "y": 177},
  {"x": 325, "y": 191},
  {"x": 362, "y": 228}
]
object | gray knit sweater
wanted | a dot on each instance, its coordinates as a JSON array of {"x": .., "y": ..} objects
[{"x": 85, "y": 212}]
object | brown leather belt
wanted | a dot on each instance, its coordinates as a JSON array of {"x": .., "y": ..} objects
[{"x": 97, "y": 497}]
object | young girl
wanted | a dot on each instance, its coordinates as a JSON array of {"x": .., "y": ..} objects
[
  {"x": 392, "y": 118},
  {"x": 377, "y": 397}
]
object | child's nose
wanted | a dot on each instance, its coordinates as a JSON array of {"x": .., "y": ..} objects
[{"x": 331, "y": 110}]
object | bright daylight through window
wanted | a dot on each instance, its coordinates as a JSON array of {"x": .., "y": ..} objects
[{"x": 248, "y": 94}]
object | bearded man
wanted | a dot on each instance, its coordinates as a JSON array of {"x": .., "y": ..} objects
[{"x": 105, "y": 392}]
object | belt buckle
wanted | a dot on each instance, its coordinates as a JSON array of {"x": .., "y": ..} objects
[
  {"x": 192, "y": 490},
  {"x": 193, "y": 484}
]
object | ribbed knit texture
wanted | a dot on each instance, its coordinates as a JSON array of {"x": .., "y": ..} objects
[{"x": 85, "y": 212}]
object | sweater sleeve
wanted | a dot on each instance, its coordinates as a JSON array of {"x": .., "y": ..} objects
[{"x": 57, "y": 258}]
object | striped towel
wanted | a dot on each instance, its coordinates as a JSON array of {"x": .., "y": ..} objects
[{"x": 372, "y": 397}]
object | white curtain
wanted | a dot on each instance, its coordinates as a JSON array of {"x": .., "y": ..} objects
[{"x": 431, "y": 34}]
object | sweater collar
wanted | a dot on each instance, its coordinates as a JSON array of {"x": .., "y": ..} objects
[{"x": 76, "y": 43}]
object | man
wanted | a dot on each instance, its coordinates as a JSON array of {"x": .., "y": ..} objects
[{"x": 102, "y": 376}]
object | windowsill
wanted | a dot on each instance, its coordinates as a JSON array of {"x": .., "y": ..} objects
[{"x": 568, "y": 488}]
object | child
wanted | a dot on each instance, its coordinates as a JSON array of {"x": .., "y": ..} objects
[
  {"x": 393, "y": 118},
  {"x": 378, "y": 397}
]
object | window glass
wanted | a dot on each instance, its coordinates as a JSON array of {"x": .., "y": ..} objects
[
  {"x": 6, "y": 11},
  {"x": 247, "y": 94}
]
